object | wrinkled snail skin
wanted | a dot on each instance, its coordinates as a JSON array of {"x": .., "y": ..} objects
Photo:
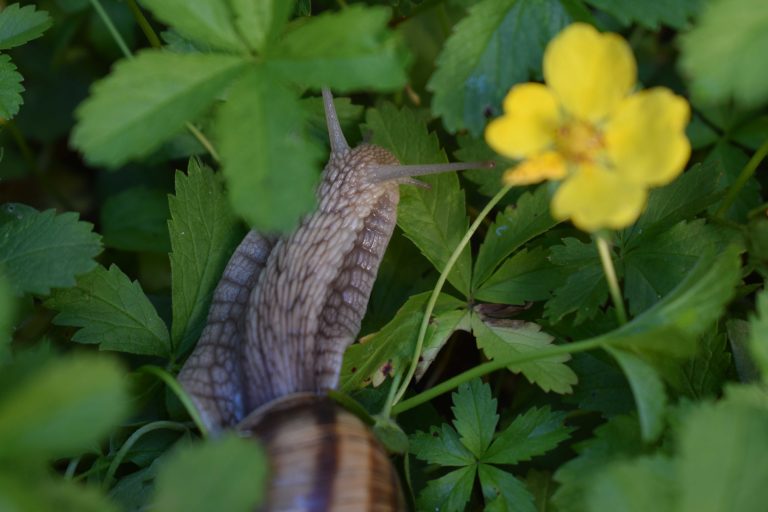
[
  {"x": 280, "y": 320},
  {"x": 324, "y": 458}
]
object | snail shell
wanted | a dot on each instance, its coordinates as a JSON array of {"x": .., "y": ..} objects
[{"x": 322, "y": 457}]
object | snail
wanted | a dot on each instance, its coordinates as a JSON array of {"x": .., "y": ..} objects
[{"x": 280, "y": 319}]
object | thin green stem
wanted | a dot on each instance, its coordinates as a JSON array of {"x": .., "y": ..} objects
[
  {"x": 72, "y": 468},
  {"x": 112, "y": 29},
  {"x": 742, "y": 179},
  {"x": 492, "y": 366},
  {"x": 610, "y": 276},
  {"x": 143, "y": 23},
  {"x": 177, "y": 390},
  {"x": 204, "y": 141},
  {"x": 436, "y": 292},
  {"x": 132, "y": 439}
]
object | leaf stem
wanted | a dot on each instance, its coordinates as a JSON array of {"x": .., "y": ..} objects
[
  {"x": 132, "y": 439},
  {"x": 177, "y": 390},
  {"x": 202, "y": 139},
  {"x": 610, "y": 276},
  {"x": 436, "y": 293},
  {"x": 742, "y": 179},
  {"x": 143, "y": 23},
  {"x": 492, "y": 366},
  {"x": 112, "y": 29}
]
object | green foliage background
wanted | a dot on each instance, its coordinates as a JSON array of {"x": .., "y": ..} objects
[{"x": 140, "y": 139}]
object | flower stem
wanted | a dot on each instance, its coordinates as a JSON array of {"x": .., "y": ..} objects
[
  {"x": 492, "y": 366},
  {"x": 112, "y": 29},
  {"x": 610, "y": 276},
  {"x": 177, "y": 390},
  {"x": 742, "y": 179},
  {"x": 141, "y": 20},
  {"x": 436, "y": 293}
]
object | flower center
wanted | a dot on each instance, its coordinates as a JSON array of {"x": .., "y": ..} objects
[{"x": 579, "y": 142}]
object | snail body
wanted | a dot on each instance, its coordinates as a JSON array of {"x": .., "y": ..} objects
[{"x": 281, "y": 317}]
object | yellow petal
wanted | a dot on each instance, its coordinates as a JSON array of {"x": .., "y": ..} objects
[
  {"x": 546, "y": 166},
  {"x": 528, "y": 126},
  {"x": 595, "y": 198},
  {"x": 589, "y": 72},
  {"x": 645, "y": 138}
]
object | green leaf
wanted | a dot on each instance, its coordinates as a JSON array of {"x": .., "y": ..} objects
[
  {"x": 646, "y": 483},
  {"x": 526, "y": 276},
  {"x": 532, "y": 433},
  {"x": 204, "y": 21},
  {"x": 671, "y": 327},
  {"x": 602, "y": 386},
  {"x": 616, "y": 440},
  {"x": 675, "y": 13},
  {"x": 704, "y": 374},
  {"x": 435, "y": 219},
  {"x": 449, "y": 493},
  {"x": 758, "y": 340},
  {"x": 732, "y": 159},
  {"x": 268, "y": 162},
  {"x": 501, "y": 339},
  {"x": 586, "y": 288},
  {"x": 439, "y": 330},
  {"x": 146, "y": 100},
  {"x": 388, "y": 351},
  {"x": 19, "y": 25},
  {"x": 513, "y": 227},
  {"x": 648, "y": 390},
  {"x": 349, "y": 49},
  {"x": 203, "y": 232},
  {"x": 229, "y": 472},
  {"x": 135, "y": 220},
  {"x": 37, "y": 492},
  {"x": 42, "y": 250},
  {"x": 657, "y": 260},
  {"x": 722, "y": 463},
  {"x": 261, "y": 21},
  {"x": 10, "y": 88},
  {"x": 503, "y": 492},
  {"x": 723, "y": 53},
  {"x": 112, "y": 312},
  {"x": 500, "y": 43},
  {"x": 475, "y": 416},
  {"x": 441, "y": 446},
  {"x": 63, "y": 408},
  {"x": 7, "y": 318}
]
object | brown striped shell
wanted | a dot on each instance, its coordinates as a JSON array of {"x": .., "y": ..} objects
[{"x": 322, "y": 458}]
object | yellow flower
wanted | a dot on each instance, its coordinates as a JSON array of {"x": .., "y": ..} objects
[{"x": 587, "y": 128}]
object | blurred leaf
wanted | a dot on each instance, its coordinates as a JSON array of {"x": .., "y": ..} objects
[
  {"x": 674, "y": 13},
  {"x": 42, "y": 250},
  {"x": 203, "y": 232},
  {"x": 535, "y": 432},
  {"x": 268, "y": 162},
  {"x": 345, "y": 50},
  {"x": 434, "y": 219},
  {"x": 475, "y": 416},
  {"x": 722, "y": 463},
  {"x": 205, "y": 21},
  {"x": 260, "y": 22},
  {"x": 146, "y": 100},
  {"x": 645, "y": 483},
  {"x": 388, "y": 350},
  {"x": 441, "y": 445},
  {"x": 112, "y": 312},
  {"x": 7, "y": 318},
  {"x": 526, "y": 276},
  {"x": 19, "y": 25},
  {"x": 732, "y": 160},
  {"x": 228, "y": 474},
  {"x": 585, "y": 289},
  {"x": 513, "y": 227},
  {"x": 500, "y": 339},
  {"x": 602, "y": 386},
  {"x": 703, "y": 375},
  {"x": 498, "y": 44},
  {"x": 61, "y": 410},
  {"x": 449, "y": 493},
  {"x": 34, "y": 493},
  {"x": 648, "y": 390},
  {"x": 758, "y": 340},
  {"x": 724, "y": 52},
  {"x": 135, "y": 220},
  {"x": 10, "y": 88},
  {"x": 503, "y": 492}
]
